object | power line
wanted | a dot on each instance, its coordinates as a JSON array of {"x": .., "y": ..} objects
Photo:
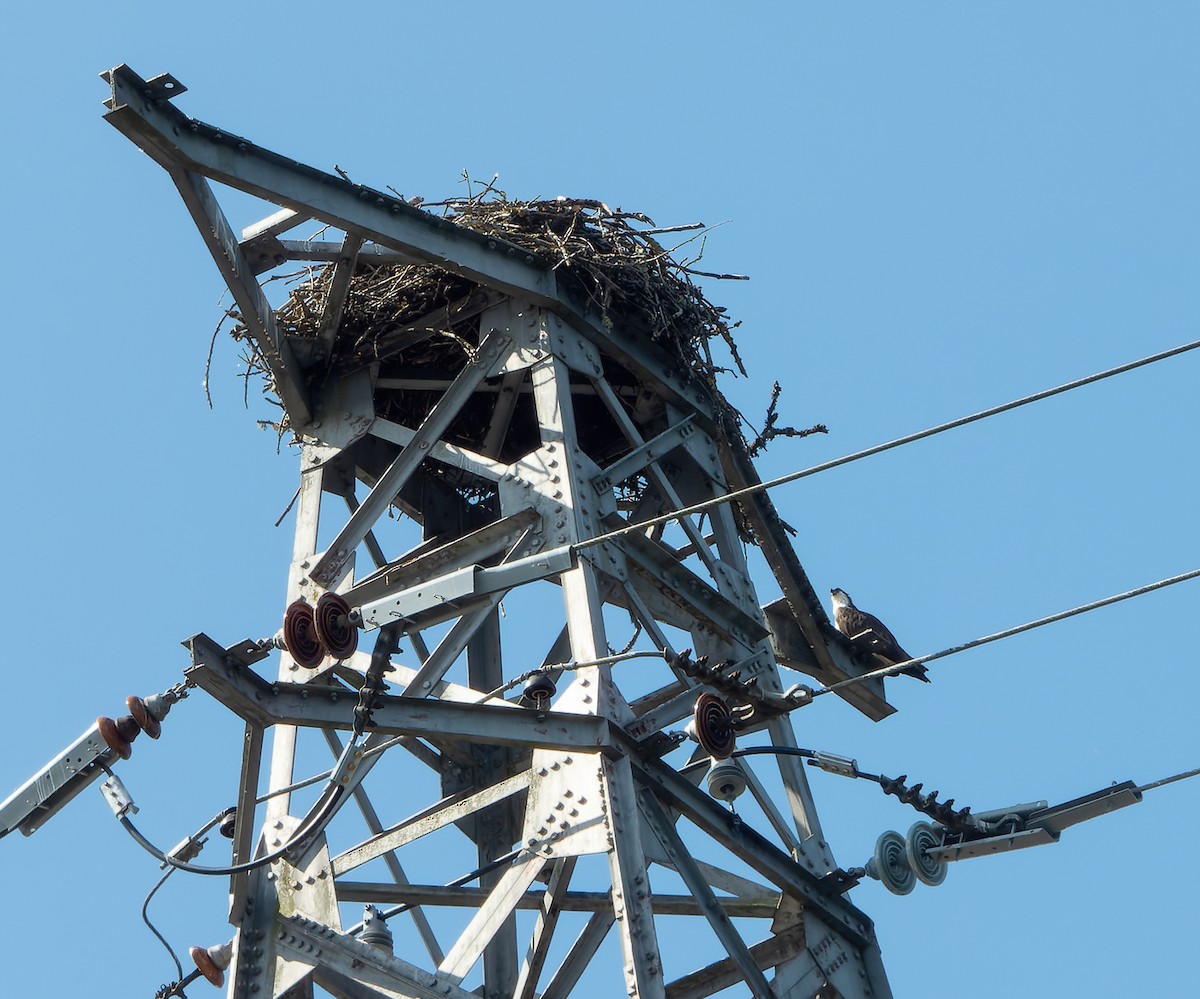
[
  {"x": 1168, "y": 780},
  {"x": 567, "y": 667},
  {"x": 1009, "y": 632},
  {"x": 311, "y": 825},
  {"x": 825, "y": 466},
  {"x": 152, "y": 928}
]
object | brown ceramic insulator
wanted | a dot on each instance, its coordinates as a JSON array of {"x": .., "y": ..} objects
[
  {"x": 334, "y": 630},
  {"x": 713, "y": 722},
  {"x": 300, "y": 635},
  {"x": 146, "y": 722},
  {"x": 113, "y": 738},
  {"x": 205, "y": 965},
  {"x": 128, "y": 728}
]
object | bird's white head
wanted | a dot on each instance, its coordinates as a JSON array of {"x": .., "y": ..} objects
[{"x": 840, "y": 598}]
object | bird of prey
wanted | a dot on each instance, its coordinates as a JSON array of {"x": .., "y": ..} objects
[{"x": 870, "y": 636}]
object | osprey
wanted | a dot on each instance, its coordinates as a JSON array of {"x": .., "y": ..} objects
[{"x": 869, "y": 635}]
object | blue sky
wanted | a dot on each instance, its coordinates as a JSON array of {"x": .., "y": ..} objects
[{"x": 941, "y": 207}]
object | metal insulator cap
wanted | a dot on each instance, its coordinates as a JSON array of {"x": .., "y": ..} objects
[
  {"x": 538, "y": 689},
  {"x": 375, "y": 931},
  {"x": 228, "y": 820},
  {"x": 726, "y": 780}
]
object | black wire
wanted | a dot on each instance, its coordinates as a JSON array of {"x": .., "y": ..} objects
[
  {"x": 176, "y": 988},
  {"x": 479, "y": 872},
  {"x": 808, "y": 754},
  {"x": 756, "y": 751},
  {"x": 320, "y": 815},
  {"x": 306, "y": 831},
  {"x": 150, "y": 926},
  {"x": 153, "y": 891},
  {"x": 1168, "y": 780},
  {"x": 961, "y": 421},
  {"x": 811, "y": 755}
]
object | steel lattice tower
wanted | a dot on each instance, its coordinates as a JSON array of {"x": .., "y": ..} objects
[{"x": 573, "y": 408}]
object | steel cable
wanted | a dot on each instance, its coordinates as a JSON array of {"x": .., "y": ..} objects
[
  {"x": 1008, "y": 632},
  {"x": 825, "y": 466}
]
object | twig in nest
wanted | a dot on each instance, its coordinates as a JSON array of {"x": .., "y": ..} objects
[
  {"x": 671, "y": 228},
  {"x": 229, "y": 313},
  {"x": 770, "y": 431},
  {"x": 637, "y": 630},
  {"x": 488, "y": 188},
  {"x": 713, "y": 274},
  {"x": 291, "y": 503}
]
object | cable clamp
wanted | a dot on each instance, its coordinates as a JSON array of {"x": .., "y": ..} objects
[
  {"x": 186, "y": 850},
  {"x": 834, "y": 764},
  {"x": 118, "y": 797}
]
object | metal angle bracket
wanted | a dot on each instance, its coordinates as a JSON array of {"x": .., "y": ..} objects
[
  {"x": 456, "y": 592},
  {"x": 1037, "y": 825},
  {"x": 1056, "y": 818},
  {"x": 205, "y": 651},
  {"x": 265, "y": 703},
  {"x": 649, "y": 452},
  {"x": 536, "y": 481},
  {"x": 994, "y": 844},
  {"x": 345, "y": 412},
  {"x": 163, "y": 87},
  {"x": 542, "y": 333}
]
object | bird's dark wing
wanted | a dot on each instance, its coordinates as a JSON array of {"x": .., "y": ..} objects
[
  {"x": 878, "y": 640},
  {"x": 852, "y": 622}
]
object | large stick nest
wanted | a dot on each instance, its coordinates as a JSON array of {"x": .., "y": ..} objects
[
  {"x": 602, "y": 258},
  {"x": 422, "y": 320}
]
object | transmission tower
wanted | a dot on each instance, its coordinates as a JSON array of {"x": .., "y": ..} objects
[
  {"x": 521, "y": 435},
  {"x": 508, "y": 462}
]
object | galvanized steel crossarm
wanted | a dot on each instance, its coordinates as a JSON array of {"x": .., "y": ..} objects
[
  {"x": 173, "y": 139},
  {"x": 310, "y": 706},
  {"x": 417, "y": 567}
]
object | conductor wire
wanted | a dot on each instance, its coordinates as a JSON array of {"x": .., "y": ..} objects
[
  {"x": 318, "y": 818},
  {"x": 152, "y": 928},
  {"x": 618, "y": 657},
  {"x": 962, "y": 421},
  {"x": 1009, "y": 632},
  {"x": 1168, "y": 780}
]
